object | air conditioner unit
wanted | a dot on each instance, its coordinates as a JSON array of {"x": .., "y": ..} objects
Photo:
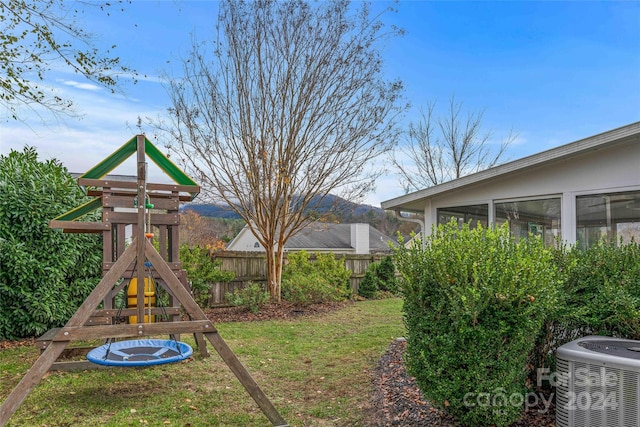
[{"x": 598, "y": 383}]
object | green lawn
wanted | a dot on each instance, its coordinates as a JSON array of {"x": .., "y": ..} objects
[{"x": 315, "y": 370}]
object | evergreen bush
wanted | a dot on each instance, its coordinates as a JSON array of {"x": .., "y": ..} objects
[
  {"x": 306, "y": 282},
  {"x": 370, "y": 283},
  {"x": 603, "y": 290},
  {"x": 600, "y": 296},
  {"x": 45, "y": 274},
  {"x": 202, "y": 272},
  {"x": 386, "y": 272},
  {"x": 379, "y": 279},
  {"x": 474, "y": 302}
]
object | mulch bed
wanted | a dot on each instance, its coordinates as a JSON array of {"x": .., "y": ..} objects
[
  {"x": 282, "y": 311},
  {"x": 397, "y": 401}
]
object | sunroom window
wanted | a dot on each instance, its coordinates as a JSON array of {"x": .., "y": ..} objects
[
  {"x": 539, "y": 217},
  {"x": 607, "y": 217},
  {"x": 475, "y": 214}
]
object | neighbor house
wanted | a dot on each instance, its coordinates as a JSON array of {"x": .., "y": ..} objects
[
  {"x": 580, "y": 192},
  {"x": 322, "y": 237}
]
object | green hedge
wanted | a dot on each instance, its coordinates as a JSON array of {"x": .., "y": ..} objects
[
  {"x": 323, "y": 280},
  {"x": 474, "y": 301},
  {"x": 380, "y": 278},
  {"x": 202, "y": 272},
  {"x": 600, "y": 295},
  {"x": 45, "y": 274}
]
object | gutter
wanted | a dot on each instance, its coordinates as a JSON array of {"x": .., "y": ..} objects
[{"x": 418, "y": 219}]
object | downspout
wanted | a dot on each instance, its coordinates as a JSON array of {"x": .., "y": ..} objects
[{"x": 418, "y": 220}]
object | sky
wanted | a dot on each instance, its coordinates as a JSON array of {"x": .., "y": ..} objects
[{"x": 554, "y": 72}]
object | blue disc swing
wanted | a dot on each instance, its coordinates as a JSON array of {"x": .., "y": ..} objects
[
  {"x": 144, "y": 352},
  {"x": 141, "y": 352}
]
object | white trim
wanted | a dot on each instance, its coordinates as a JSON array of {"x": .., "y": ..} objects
[
  {"x": 529, "y": 198},
  {"x": 568, "y": 220},
  {"x": 491, "y": 218},
  {"x": 624, "y": 189}
]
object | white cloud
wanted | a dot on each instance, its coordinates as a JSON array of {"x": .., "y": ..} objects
[
  {"x": 106, "y": 122},
  {"x": 78, "y": 85}
]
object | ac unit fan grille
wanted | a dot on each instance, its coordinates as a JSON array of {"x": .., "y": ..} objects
[{"x": 597, "y": 390}]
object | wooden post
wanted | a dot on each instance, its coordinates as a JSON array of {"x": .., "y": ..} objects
[{"x": 142, "y": 193}]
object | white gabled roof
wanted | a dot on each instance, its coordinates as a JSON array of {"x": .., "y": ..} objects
[{"x": 626, "y": 133}]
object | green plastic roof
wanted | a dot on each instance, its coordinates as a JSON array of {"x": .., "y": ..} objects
[
  {"x": 81, "y": 210},
  {"x": 114, "y": 160},
  {"x": 124, "y": 152}
]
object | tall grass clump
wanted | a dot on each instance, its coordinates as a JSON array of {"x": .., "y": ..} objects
[{"x": 474, "y": 302}]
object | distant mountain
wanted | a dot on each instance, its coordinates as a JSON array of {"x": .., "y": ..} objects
[
  {"x": 331, "y": 209},
  {"x": 341, "y": 208},
  {"x": 211, "y": 210}
]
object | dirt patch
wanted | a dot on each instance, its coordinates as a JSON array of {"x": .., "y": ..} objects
[{"x": 17, "y": 343}]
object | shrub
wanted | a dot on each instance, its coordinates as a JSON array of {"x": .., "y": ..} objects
[
  {"x": 45, "y": 274},
  {"x": 305, "y": 282},
  {"x": 202, "y": 272},
  {"x": 603, "y": 289},
  {"x": 379, "y": 279},
  {"x": 386, "y": 272},
  {"x": 252, "y": 296},
  {"x": 474, "y": 301},
  {"x": 600, "y": 296},
  {"x": 370, "y": 282}
]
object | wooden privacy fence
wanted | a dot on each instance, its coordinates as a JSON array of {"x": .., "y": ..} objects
[{"x": 251, "y": 267}]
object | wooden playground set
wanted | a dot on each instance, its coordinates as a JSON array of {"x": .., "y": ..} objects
[{"x": 135, "y": 271}]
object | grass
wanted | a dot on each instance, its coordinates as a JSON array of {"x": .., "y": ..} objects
[{"x": 316, "y": 371}]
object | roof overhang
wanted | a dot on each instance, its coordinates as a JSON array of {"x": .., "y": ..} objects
[{"x": 415, "y": 202}]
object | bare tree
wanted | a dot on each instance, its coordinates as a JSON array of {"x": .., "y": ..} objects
[
  {"x": 36, "y": 36},
  {"x": 439, "y": 149},
  {"x": 290, "y": 106}
]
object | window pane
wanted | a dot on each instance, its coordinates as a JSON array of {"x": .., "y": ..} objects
[
  {"x": 607, "y": 217},
  {"x": 463, "y": 214},
  {"x": 540, "y": 217}
]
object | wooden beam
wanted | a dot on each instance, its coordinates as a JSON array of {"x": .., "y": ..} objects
[
  {"x": 173, "y": 187},
  {"x": 106, "y": 183},
  {"x": 176, "y": 267},
  {"x": 126, "y": 193},
  {"x": 79, "y": 226},
  {"x": 115, "y": 201},
  {"x": 134, "y": 330},
  {"x": 140, "y": 219},
  {"x": 131, "y": 218},
  {"x": 157, "y": 311}
]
